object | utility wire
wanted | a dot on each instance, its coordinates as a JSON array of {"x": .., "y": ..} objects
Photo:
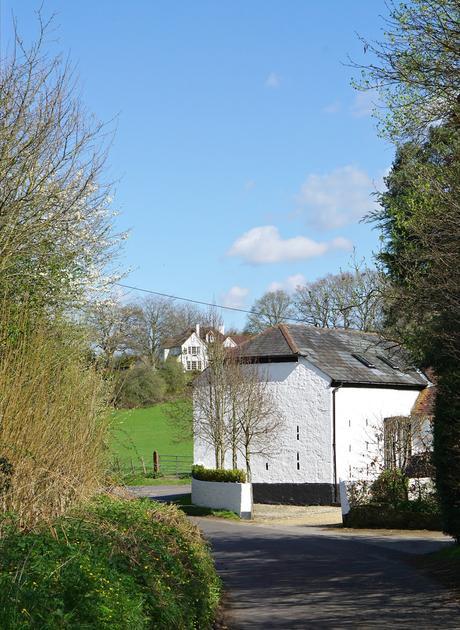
[{"x": 201, "y": 303}]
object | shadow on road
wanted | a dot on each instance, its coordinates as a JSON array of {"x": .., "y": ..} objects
[{"x": 280, "y": 580}]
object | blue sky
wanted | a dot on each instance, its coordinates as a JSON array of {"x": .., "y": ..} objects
[{"x": 243, "y": 158}]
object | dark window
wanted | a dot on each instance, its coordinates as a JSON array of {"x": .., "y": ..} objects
[
  {"x": 266, "y": 466},
  {"x": 298, "y": 432},
  {"x": 298, "y": 462},
  {"x": 363, "y": 360}
]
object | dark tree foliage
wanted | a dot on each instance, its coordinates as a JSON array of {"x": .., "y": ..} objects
[{"x": 420, "y": 222}]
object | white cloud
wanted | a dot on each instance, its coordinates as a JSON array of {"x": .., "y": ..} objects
[
  {"x": 334, "y": 199},
  {"x": 264, "y": 244},
  {"x": 364, "y": 104},
  {"x": 235, "y": 297},
  {"x": 332, "y": 108},
  {"x": 289, "y": 284},
  {"x": 273, "y": 81}
]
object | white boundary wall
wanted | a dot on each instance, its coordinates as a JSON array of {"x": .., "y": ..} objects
[{"x": 220, "y": 495}]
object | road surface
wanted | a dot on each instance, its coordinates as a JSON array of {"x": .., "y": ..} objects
[{"x": 305, "y": 577}]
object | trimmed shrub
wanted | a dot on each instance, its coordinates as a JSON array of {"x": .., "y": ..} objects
[
  {"x": 140, "y": 386},
  {"x": 113, "y": 564},
  {"x": 412, "y": 516},
  {"x": 390, "y": 488},
  {"x": 218, "y": 474}
]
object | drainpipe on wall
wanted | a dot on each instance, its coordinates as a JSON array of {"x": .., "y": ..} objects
[{"x": 334, "y": 444}]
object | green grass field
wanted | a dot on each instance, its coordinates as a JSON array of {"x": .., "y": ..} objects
[{"x": 136, "y": 433}]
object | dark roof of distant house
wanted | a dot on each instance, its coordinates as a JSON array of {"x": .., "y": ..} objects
[
  {"x": 178, "y": 340},
  {"x": 331, "y": 350},
  {"x": 239, "y": 339}
]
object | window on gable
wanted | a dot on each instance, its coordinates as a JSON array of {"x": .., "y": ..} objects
[
  {"x": 363, "y": 360},
  {"x": 388, "y": 362}
]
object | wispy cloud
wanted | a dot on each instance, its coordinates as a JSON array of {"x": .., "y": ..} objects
[
  {"x": 249, "y": 184},
  {"x": 235, "y": 297},
  {"x": 289, "y": 284},
  {"x": 332, "y": 108},
  {"x": 273, "y": 81},
  {"x": 263, "y": 245},
  {"x": 364, "y": 104},
  {"x": 334, "y": 199}
]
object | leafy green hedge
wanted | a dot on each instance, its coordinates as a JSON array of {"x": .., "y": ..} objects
[
  {"x": 113, "y": 564},
  {"x": 414, "y": 515},
  {"x": 218, "y": 474}
]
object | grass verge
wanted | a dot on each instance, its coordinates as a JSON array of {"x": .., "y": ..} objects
[
  {"x": 185, "y": 504},
  {"x": 443, "y": 566},
  {"x": 111, "y": 564},
  {"x": 139, "y": 480}
]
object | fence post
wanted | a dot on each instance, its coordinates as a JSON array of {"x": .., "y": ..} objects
[
  {"x": 132, "y": 467},
  {"x": 143, "y": 466},
  {"x": 156, "y": 462}
]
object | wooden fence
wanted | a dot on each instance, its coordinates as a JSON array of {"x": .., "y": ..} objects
[{"x": 159, "y": 465}]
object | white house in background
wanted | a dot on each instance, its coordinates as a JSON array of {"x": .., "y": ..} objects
[
  {"x": 333, "y": 390},
  {"x": 190, "y": 347}
]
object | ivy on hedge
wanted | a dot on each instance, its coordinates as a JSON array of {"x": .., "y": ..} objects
[{"x": 218, "y": 474}]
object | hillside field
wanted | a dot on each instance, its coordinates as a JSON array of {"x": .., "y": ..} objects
[{"x": 136, "y": 433}]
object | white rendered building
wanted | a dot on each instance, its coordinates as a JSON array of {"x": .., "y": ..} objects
[
  {"x": 332, "y": 390},
  {"x": 190, "y": 347}
]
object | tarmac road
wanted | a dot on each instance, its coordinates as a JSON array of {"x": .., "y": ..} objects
[{"x": 293, "y": 577}]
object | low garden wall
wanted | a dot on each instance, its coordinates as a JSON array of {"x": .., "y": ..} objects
[{"x": 221, "y": 495}]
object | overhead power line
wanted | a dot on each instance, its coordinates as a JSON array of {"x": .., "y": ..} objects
[{"x": 201, "y": 303}]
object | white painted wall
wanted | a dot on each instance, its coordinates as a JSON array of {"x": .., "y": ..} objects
[
  {"x": 360, "y": 413},
  {"x": 185, "y": 357},
  {"x": 219, "y": 495},
  {"x": 301, "y": 394}
]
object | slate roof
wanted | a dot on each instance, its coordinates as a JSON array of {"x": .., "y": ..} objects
[{"x": 331, "y": 350}]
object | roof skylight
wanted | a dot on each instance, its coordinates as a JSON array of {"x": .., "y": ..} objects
[
  {"x": 363, "y": 360},
  {"x": 389, "y": 362}
]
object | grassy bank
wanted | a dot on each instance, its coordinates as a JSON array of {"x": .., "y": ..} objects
[
  {"x": 111, "y": 564},
  {"x": 136, "y": 433}
]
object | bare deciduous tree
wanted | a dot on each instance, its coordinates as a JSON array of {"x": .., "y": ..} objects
[
  {"x": 111, "y": 326},
  {"x": 349, "y": 299},
  {"x": 234, "y": 409},
  {"x": 273, "y": 308},
  {"x": 255, "y": 419}
]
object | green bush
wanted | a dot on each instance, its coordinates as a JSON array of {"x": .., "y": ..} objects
[
  {"x": 114, "y": 564},
  {"x": 412, "y": 515},
  {"x": 390, "y": 488},
  {"x": 218, "y": 474},
  {"x": 140, "y": 386},
  {"x": 174, "y": 376}
]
